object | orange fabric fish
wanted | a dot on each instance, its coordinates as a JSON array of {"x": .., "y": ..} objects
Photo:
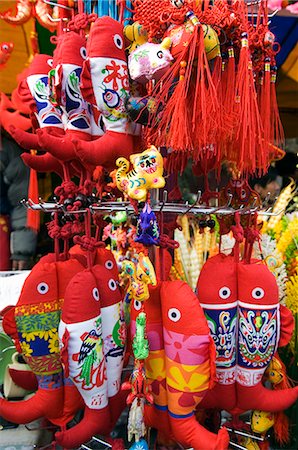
[{"x": 6, "y": 49}]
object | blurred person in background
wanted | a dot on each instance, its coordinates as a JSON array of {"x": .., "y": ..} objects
[
  {"x": 17, "y": 241},
  {"x": 271, "y": 183}
]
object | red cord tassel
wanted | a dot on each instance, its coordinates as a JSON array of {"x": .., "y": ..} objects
[
  {"x": 33, "y": 217},
  {"x": 265, "y": 103},
  {"x": 249, "y": 142},
  {"x": 277, "y": 136},
  {"x": 175, "y": 118}
]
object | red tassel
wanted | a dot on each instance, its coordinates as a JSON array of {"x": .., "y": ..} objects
[
  {"x": 249, "y": 143},
  {"x": 206, "y": 118},
  {"x": 265, "y": 103},
  {"x": 33, "y": 217},
  {"x": 229, "y": 78},
  {"x": 281, "y": 428},
  {"x": 175, "y": 118},
  {"x": 277, "y": 136},
  {"x": 190, "y": 116}
]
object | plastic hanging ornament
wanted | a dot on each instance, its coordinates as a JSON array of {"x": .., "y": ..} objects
[
  {"x": 140, "y": 343},
  {"x": 147, "y": 227}
]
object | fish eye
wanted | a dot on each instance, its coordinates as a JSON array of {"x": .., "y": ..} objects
[
  {"x": 83, "y": 52},
  {"x": 224, "y": 292},
  {"x": 257, "y": 293},
  {"x": 42, "y": 288},
  {"x": 118, "y": 41},
  {"x": 50, "y": 62},
  {"x": 174, "y": 314},
  {"x": 109, "y": 264},
  {"x": 112, "y": 285},
  {"x": 95, "y": 294}
]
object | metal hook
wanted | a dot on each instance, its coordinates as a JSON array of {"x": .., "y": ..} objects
[
  {"x": 242, "y": 433},
  {"x": 24, "y": 203},
  {"x": 198, "y": 198},
  {"x": 63, "y": 19},
  {"x": 96, "y": 439},
  {"x": 227, "y": 205},
  {"x": 233, "y": 444},
  {"x": 57, "y": 4},
  {"x": 164, "y": 200}
]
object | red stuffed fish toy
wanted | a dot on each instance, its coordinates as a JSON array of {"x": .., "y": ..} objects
[
  {"x": 6, "y": 49},
  {"x": 179, "y": 366},
  {"x": 247, "y": 324},
  {"x": 92, "y": 336},
  {"x": 105, "y": 85},
  {"x": 34, "y": 89},
  {"x": 64, "y": 82},
  {"x": 34, "y": 324}
]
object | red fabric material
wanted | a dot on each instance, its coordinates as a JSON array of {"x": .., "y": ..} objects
[
  {"x": 94, "y": 422},
  {"x": 73, "y": 402},
  {"x": 258, "y": 397},
  {"x": 43, "y": 163},
  {"x": 22, "y": 99},
  {"x": 10, "y": 114},
  {"x": 33, "y": 217},
  {"x": 105, "y": 257},
  {"x": 255, "y": 275},
  {"x": 61, "y": 147},
  {"x": 24, "y": 378},
  {"x": 31, "y": 294},
  {"x": 80, "y": 288},
  {"x": 105, "y": 150},
  {"x": 178, "y": 294},
  {"x": 4, "y": 243},
  {"x": 189, "y": 433},
  {"x": 9, "y": 323},
  {"x": 45, "y": 403},
  {"x": 220, "y": 397},
  {"x": 30, "y": 141},
  {"x": 225, "y": 269},
  {"x": 101, "y": 39},
  {"x": 86, "y": 84},
  {"x": 117, "y": 404},
  {"x": 287, "y": 325},
  {"x": 159, "y": 420}
]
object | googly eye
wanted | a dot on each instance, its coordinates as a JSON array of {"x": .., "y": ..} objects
[
  {"x": 42, "y": 288},
  {"x": 95, "y": 294},
  {"x": 50, "y": 62},
  {"x": 109, "y": 264},
  {"x": 83, "y": 52},
  {"x": 137, "y": 305},
  {"x": 224, "y": 292},
  {"x": 257, "y": 293},
  {"x": 111, "y": 98},
  {"x": 5, "y": 47},
  {"x": 118, "y": 41},
  {"x": 160, "y": 54},
  {"x": 112, "y": 285},
  {"x": 174, "y": 314}
]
